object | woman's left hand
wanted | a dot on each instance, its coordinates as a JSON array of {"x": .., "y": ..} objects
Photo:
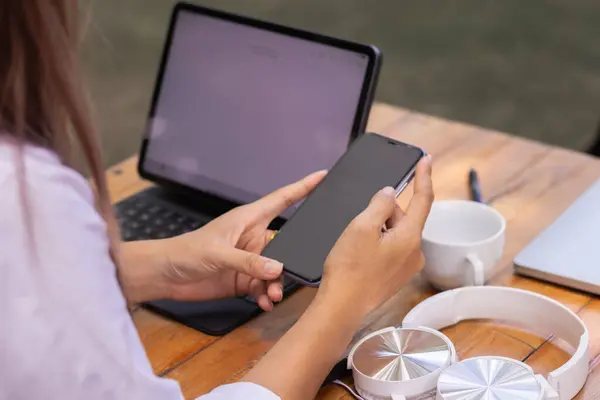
[{"x": 216, "y": 261}]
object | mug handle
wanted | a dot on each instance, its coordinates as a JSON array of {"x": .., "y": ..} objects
[{"x": 478, "y": 275}]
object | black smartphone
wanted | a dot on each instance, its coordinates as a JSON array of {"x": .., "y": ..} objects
[{"x": 371, "y": 163}]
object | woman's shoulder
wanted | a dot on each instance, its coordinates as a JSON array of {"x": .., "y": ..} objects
[
  {"x": 41, "y": 171},
  {"x": 40, "y": 195}
]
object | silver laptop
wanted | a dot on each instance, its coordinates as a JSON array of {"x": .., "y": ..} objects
[{"x": 568, "y": 252}]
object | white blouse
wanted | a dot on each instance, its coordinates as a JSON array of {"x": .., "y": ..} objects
[{"x": 65, "y": 332}]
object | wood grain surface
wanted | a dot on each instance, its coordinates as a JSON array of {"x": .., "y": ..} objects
[{"x": 530, "y": 183}]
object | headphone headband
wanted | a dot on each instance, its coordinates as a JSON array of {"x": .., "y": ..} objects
[{"x": 516, "y": 306}]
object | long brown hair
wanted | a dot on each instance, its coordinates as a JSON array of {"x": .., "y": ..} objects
[{"x": 42, "y": 98}]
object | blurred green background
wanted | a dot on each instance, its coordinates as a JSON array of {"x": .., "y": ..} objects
[{"x": 527, "y": 67}]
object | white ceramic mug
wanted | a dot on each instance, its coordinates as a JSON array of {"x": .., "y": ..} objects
[{"x": 462, "y": 242}]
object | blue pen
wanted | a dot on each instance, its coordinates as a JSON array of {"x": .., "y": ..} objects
[{"x": 474, "y": 186}]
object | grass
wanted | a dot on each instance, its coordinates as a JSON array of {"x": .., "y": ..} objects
[{"x": 531, "y": 68}]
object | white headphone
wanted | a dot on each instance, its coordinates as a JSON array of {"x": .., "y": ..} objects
[{"x": 384, "y": 369}]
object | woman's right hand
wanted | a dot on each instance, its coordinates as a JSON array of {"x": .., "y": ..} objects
[
  {"x": 365, "y": 268},
  {"x": 368, "y": 265}
]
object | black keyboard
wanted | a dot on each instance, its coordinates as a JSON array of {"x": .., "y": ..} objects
[{"x": 144, "y": 218}]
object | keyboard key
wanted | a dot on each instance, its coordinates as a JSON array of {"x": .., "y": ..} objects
[
  {"x": 159, "y": 222},
  {"x": 144, "y": 217},
  {"x": 167, "y": 214},
  {"x": 128, "y": 225},
  {"x": 162, "y": 235},
  {"x": 128, "y": 235},
  {"x": 173, "y": 227},
  {"x": 194, "y": 225},
  {"x": 148, "y": 231},
  {"x": 154, "y": 209}
]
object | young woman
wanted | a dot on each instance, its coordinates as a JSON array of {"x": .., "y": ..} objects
[{"x": 66, "y": 280}]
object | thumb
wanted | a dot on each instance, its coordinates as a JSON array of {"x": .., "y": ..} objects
[
  {"x": 382, "y": 206},
  {"x": 251, "y": 264}
]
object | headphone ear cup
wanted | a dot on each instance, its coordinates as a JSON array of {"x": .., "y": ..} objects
[
  {"x": 404, "y": 362},
  {"x": 494, "y": 376}
]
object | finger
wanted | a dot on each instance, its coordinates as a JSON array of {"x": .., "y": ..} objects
[
  {"x": 250, "y": 264},
  {"x": 272, "y": 205},
  {"x": 420, "y": 204},
  {"x": 258, "y": 290},
  {"x": 381, "y": 208},
  {"x": 395, "y": 218},
  {"x": 265, "y": 303},
  {"x": 275, "y": 290}
]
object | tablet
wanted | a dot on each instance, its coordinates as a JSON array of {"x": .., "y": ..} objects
[{"x": 242, "y": 107}]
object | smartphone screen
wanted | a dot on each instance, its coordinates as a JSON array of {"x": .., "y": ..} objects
[{"x": 371, "y": 163}]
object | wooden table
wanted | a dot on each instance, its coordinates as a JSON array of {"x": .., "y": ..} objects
[{"x": 528, "y": 182}]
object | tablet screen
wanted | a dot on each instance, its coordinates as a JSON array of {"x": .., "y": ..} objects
[{"x": 242, "y": 111}]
